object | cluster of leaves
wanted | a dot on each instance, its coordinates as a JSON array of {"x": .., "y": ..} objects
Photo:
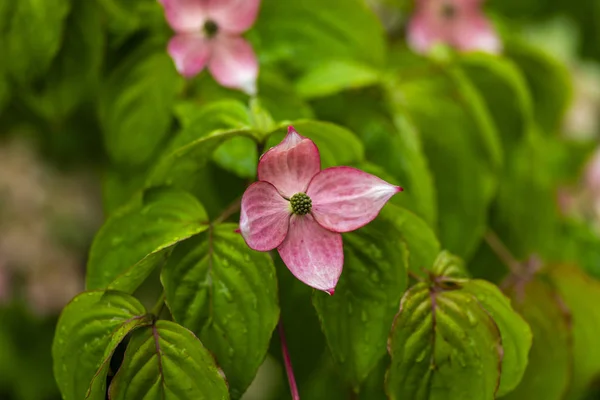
[{"x": 473, "y": 139}]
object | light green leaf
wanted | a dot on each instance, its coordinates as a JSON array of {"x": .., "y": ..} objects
[
  {"x": 515, "y": 333},
  {"x": 32, "y": 35},
  {"x": 550, "y": 360},
  {"x": 335, "y": 76},
  {"x": 357, "y": 319},
  {"x": 135, "y": 239},
  {"x": 136, "y": 105},
  {"x": 88, "y": 331},
  {"x": 337, "y": 145},
  {"x": 309, "y": 32},
  {"x": 227, "y": 294},
  {"x": 444, "y": 346},
  {"x": 166, "y": 361}
]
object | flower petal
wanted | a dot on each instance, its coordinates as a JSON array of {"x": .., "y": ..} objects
[
  {"x": 233, "y": 63},
  {"x": 185, "y": 16},
  {"x": 346, "y": 198},
  {"x": 291, "y": 164},
  {"x": 190, "y": 52},
  {"x": 264, "y": 217},
  {"x": 313, "y": 254},
  {"x": 474, "y": 32},
  {"x": 234, "y": 16},
  {"x": 424, "y": 32}
]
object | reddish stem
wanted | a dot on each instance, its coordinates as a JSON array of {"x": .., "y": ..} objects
[{"x": 288, "y": 362}]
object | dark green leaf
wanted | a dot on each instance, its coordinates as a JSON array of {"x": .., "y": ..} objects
[
  {"x": 131, "y": 243},
  {"x": 32, "y": 35},
  {"x": 443, "y": 345},
  {"x": 227, "y": 294},
  {"x": 88, "y": 331},
  {"x": 75, "y": 72},
  {"x": 166, "y": 361},
  {"x": 582, "y": 296},
  {"x": 549, "y": 83},
  {"x": 550, "y": 359},
  {"x": 357, "y": 319},
  {"x": 462, "y": 149},
  {"x": 136, "y": 105},
  {"x": 505, "y": 93}
]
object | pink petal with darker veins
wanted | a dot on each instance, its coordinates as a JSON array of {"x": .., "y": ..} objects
[
  {"x": 264, "y": 217},
  {"x": 346, "y": 198},
  {"x": 291, "y": 164},
  {"x": 185, "y": 16},
  {"x": 233, "y": 63},
  {"x": 313, "y": 254},
  {"x": 474, "y": 32},
  {"x": 190, "y": 52},
  {"x": 234, "y": 16}
]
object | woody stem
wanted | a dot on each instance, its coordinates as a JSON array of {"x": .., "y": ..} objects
[
  {"x": 502, "y": 252},
  {"x": 288, "y": 362}
]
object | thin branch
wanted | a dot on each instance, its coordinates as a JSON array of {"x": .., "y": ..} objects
[
  {"x": 502, "y": 252},
  {"x": 288, "y": 362},
  {"x": 229, "y": 211},
  {"x": 158, "y": 307}
]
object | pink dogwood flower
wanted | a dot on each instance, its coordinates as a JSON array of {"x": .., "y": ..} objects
[
  {"x": 457, "y": 23},
  {"x": 208, "y": 33},
  {"x": 302, "y": 210}
]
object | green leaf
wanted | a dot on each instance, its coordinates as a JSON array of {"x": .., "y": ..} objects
[
  {"x": 136, "y": 105},
  {"x": 462, "y": 149},
  {"x": 135, "y": 239},
  {"x": 447, "y": 265},
  {"x": 505, "y": 93},
  {"x": 549, "y": 83},
  {"x": 550, "y": 359},
  {"x": 357, "y": 319},
  {"x": 88, "y": 332},
  {"x": 227, "y": 294},
  {"x": 422, "y": 244},
  {"x": 75, "y": 72},
  {"x": 32, "y": 36},
  {"x": 166, "y": 361},
  {"x": 516, "y": 335},
  {"x": 335, "y": 76},
  {"x": 443, "y": 345},
  {"x": 582, "y": 296},
  {"x": 337, "y": 145},
  {"x": 309, "y": 32}
]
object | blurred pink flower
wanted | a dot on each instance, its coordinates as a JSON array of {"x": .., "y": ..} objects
[
  {"x": 208, "y": 33},
  {"x": 301, "y": 210},
  {"x": 457, "y": 23},
  {"x": 592, "y": 174}
]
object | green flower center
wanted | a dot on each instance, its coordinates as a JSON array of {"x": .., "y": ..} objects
[
  {"x": 301, "y": 204},
  {"x": 211, "y": 28}
]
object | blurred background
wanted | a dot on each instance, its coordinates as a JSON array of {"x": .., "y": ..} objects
[{"x": 53, "y": 162}]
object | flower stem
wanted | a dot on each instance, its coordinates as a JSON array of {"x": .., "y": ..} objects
[
  {"x": 288, "y": 362},
  {"x": 502, "y": 252}
]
